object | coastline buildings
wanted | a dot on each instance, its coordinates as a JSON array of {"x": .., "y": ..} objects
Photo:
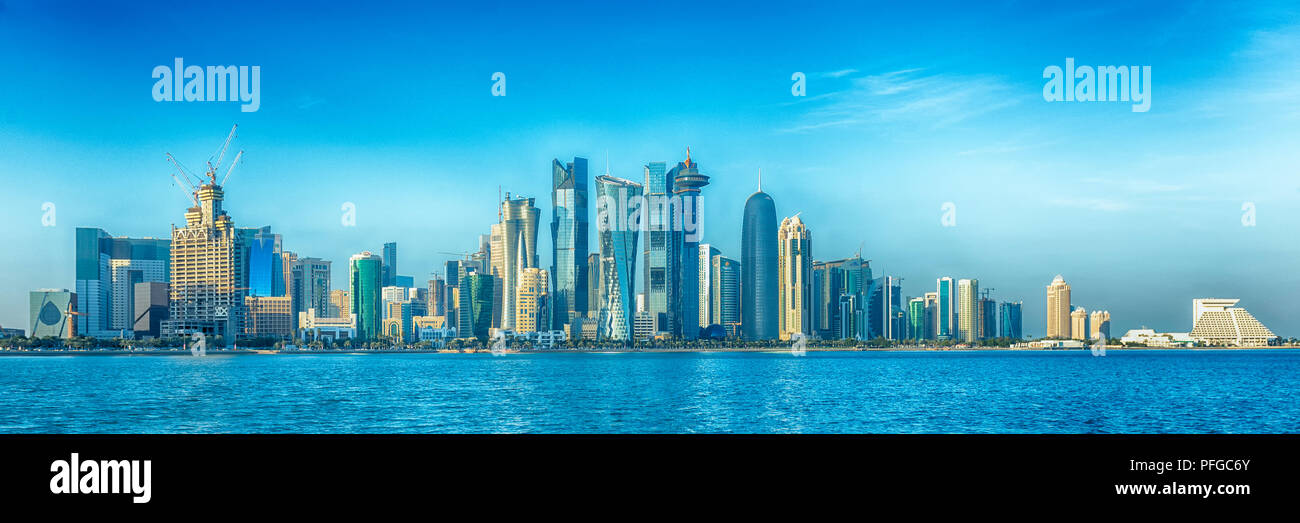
[
  {"x": 1218, "y": 321},
  {"x": 758, "y": 268},
  {"x": 476, "y": 294},
  {"x": 50, "y": 312},
  {"x": 308, "y": 287},
  {"x": 617, "y": 237},
  {"x": 988, "y": 318},
  {"x": 107, "y": 270},
  {"x": 794, "y": 270},
  {"x": 917, "y": 319},
  {"x": 390, "y": 264},
  {"x": 365, "y": 288},
  {"x": 151, "y": 302},
  {"x": 1058, "y": 308},
  {"x": 569, "y": 224}
]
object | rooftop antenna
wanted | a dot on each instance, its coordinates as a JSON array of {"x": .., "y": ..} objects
[
  {"x": 607, "y": 162},
  {"x": 760, "y": 179}
]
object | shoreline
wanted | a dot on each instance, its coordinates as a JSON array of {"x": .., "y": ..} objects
[{"x": 274, "y": 352}]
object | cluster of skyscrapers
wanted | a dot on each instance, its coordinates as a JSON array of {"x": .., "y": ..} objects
[{"x": 214, "y": 278}]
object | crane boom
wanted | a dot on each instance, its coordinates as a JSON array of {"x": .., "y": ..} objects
[
  {"x": 233, "y": 163},
  {"x": 212, "y": 168}
]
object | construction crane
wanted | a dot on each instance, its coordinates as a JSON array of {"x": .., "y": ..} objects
[
  {"x": 191, "y": 182},
  {"x": 212, "y": 168}
]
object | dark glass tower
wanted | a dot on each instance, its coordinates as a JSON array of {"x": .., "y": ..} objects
[
  {"x": 569, "y": 238},
  {"x": 758, "y": 271}
]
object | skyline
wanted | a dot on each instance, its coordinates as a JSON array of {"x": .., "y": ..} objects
[{"x": 1139, "y": 241}]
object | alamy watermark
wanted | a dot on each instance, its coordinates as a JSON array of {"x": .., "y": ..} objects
[
  {"x": 216, "y": 83},
  {"x": 677, "y": 213},
  {"x": 1104, "y": 83}
]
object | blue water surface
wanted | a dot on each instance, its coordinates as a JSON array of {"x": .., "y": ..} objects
[{"x": 841, "y": 392}]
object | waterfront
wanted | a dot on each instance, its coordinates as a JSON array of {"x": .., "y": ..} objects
[{"x": 1131, "y": 391}]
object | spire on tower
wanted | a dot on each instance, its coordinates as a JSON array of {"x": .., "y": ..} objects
[{"x": 760, "y": 179}]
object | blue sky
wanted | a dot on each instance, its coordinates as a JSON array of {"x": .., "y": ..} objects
[{"x": 907, "y": 107}]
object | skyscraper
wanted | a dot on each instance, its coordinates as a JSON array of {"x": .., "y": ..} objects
[
  {"x": 759, "y": 312},
  {"x": 1100, "y": 325},
  {"x": 725, "y": 281},
  {"x": 1058, "y": 308},
  {"x": 707, "y": 252},
  {"x": 207, "y": 269},
  {"x": 916, "y": 319},
  {"x": 1011, "y": 321},
  {"x": 1079, "y": 324},
  {"x": 947, "y": 312},
  {"x": 931, "y": 315},
  {"x": 617, "y": 235},
  {"x": 595, "y": 284},
  {"x": 390, "y": 264},
  {"x": 516, "y": 235},
  {"x": 365, "y": 287},
  {"x": 264, "y": 258},
  {"x": 988, "y": 318},
  {"x": 660, "y": 259},
  {"x": 569, "y": 226},
  {"x": 687, "y": 230},
  {"x": 968, "y": 319},
  {"x": 107, "y": 270},
  {"x": 475, "y": 306},
  {"x": 794, "y": 270},
  {"x": 309, "y": 285}
]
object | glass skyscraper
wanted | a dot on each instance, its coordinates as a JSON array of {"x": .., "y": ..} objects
[
  {"x": 660, "y": 260},
  {"x": 569, "y": 226},
  {"x": 365, "y": 284},
  {"x": 617, "y": 233},
  {"x": 758, "y": 269},
  {"x": 1010, "y": 319},
  {"x": 476, "y": 291},
  {"x": 946, "y": 325},
  {"x": 687, "y": 229}
]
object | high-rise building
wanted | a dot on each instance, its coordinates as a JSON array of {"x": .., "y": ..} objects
[
  {"x": 759, "y": 309},
  {"x": 931, "y": 315},
  {"x": 660, "y": 258},
  {"x": 50, "y": 312},
  {"x": 1058, "y": 308},
  {"x": 794, "y": 276},
  {"x": 107, "y": 270},
  {"x": 150, "y": 309},
  {"x": 947, "y": 312},
  {"x": 531, "y": 293},
  {"x": 916, "y": 319},
  {"x": 309, "y": 287},
  {"x": 833, "y": 280},
  {"x": 1079, "y": 324},
  {"x": 1011, "y": 321},
  {"x": 1100, "y": 325},
  {"x": 207, "y": 271},
  {"x": 437, "y": 297},
  {"x": 476, "y": 290},
  {"x": 988, "y": 318},
  {"x": 618, "y": 253},
  {"x": 1219, "y": 322},
  {"x": 365, "y": 288},
  {"x": 594, "y": 285},
  {"x": 725, "y": 280},
  {"x": 390, "y": 264},
  {"x": 687, "y": 230},
  {"x": 968, "y": 310},
  {"x": 569, "y": 226},
  {"x": 707, "y": 252},
  {"x": 514, "y": 248}
]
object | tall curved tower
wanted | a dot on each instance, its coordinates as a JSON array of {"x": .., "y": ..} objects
[{"x": 758, "y": 269}]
